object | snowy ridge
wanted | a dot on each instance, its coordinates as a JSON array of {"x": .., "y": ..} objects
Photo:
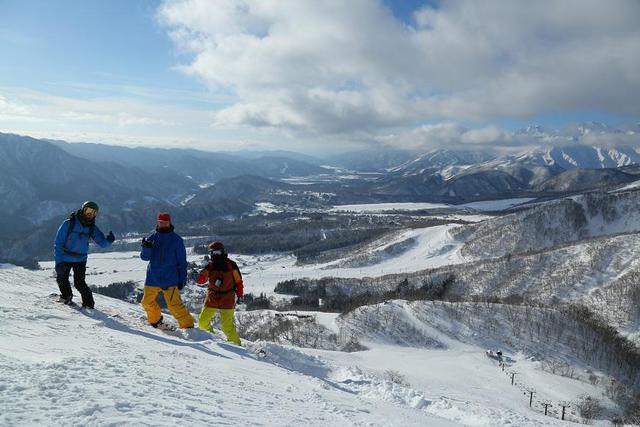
[
  {"x": 553, "y": 223},
  {"x": 527, "y": 169},
  {"x": 450, "y": 162},
  {"x": 600, "y": 273}
]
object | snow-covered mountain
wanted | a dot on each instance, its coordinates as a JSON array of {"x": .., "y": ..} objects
[
  {"x": 441, "y": 159},
  {"x": 536, "y": 170},
  {"x": 554, "y": 223},
  {"x": 248, "y": 188},
  {"x": 579, "y": 156},
  {"x": 578, "y": 132},
  {"x": 469, "y": 184},
  {"x": 129, "y": 373},
  {"x": 550, "y": 279},
  {"x": 585, "y": 179},
  {"x": 374, "y": 160}
]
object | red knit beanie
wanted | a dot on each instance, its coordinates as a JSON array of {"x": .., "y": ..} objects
[{"x": 164, "y": 216}]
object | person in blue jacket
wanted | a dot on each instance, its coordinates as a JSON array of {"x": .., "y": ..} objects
[
  {"x": 70, "y": 251},
  {"x": 166, "y": 273}
]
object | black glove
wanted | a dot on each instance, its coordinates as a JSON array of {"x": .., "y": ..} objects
[
  {"x": 180, "y": 286},
  {"x": 110, "y": 237},
  {"x": 239, "y": 300},
  {"x": 146, "y": 243}
]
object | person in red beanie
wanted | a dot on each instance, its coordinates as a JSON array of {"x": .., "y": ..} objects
[{"x": 166, "y": 273}]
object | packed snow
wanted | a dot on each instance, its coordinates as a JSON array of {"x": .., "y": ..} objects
[{"x": 64, "y": 366}]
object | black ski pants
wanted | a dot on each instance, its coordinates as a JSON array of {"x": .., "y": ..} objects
[{"x": 63, "y": 269}]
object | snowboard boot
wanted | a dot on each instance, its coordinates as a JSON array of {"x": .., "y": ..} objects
[
  {"x": 66, "y": 301},
  {"x": 161, "y": 325},
  {"x": 159, "y": 322}
]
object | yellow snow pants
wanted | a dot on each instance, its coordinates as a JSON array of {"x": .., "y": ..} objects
[
  {"x": 174, "y": 304},
  {"x": 226, "y": 321}
]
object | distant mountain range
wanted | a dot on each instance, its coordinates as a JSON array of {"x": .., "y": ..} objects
[
  {"x": 38, "y": 180},
  {"x": 452, "y": 175},
  {"x": 376, "y": 160},
  {"x": 50, "y": 177},
  {"x": 203, "y": 167},
  {"x": 41, "y": 180}
]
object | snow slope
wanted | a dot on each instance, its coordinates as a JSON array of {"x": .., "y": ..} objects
[{"x": 62, "y": 366}]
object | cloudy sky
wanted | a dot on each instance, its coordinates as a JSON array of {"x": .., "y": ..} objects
[{"x": 310, "y": 75}]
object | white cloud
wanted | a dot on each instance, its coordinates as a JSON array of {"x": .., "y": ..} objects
[
  {"x": 350, "y": 68},
  {"x": 30, "y": 105},
  {"x": 487, "y": 136},
  {"x": 9, "y": 108},
  {"x": 452, "y": 135},
  {"x": 139, "y": 118}
]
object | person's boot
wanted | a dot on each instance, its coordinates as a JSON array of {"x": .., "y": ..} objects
[
  {"x": 158, "y": 323},
  {"x": 161, "y": 325},
  {"x": 66, "y": 301}
]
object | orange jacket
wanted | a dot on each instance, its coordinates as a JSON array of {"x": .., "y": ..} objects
[{"x": 223, "y": 284}]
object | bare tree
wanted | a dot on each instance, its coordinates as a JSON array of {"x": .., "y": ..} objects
[{"x": 589, "y": 408}]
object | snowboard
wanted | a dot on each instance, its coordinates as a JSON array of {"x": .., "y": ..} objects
[{"x": 165, "y": 327}]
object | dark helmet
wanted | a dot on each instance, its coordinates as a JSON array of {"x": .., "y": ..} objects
[
  {"x": 217, "y": 248},
  {"x": 90, "y": 204}
]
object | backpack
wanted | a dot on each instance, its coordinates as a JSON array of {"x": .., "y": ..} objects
[{"x": 229, "y": 267}]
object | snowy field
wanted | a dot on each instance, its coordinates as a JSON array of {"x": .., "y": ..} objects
[
  {"x": 490, "y": 205},
  {"x": 61, "y": 366}
]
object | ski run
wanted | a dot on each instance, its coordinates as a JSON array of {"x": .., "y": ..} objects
[{"x": 66, "y": 366}]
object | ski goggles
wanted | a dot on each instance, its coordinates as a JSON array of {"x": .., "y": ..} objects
[{"x": 217, "y": 252}]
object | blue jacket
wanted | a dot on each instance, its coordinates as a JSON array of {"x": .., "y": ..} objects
[
  {"x": 167, "y": 259},
  {"x": 73, "y": 246}
]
